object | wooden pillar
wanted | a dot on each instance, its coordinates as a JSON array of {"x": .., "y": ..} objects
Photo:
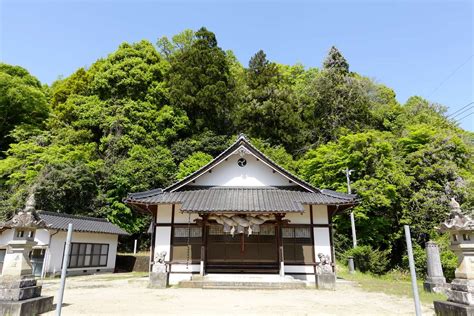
[
  {"x": 153, "y": 238},
  {"x": 312, "y": 240},
  {"x": 281, "y": 259},
  {"x": 331, "y": 211},
  {"x": 171, "y": 235},
  {"x": 202, "y": 270}
]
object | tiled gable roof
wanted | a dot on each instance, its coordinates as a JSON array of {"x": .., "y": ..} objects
[
  {"x": 240, "y": 199},
  {"x": 80, "y": 223}
]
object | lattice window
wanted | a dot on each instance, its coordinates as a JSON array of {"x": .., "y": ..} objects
[
  {"x": 302, "y": 232},
  {"x": 216, "y": 230},
  {"x": 268, "y": 230},
  {"x": 182, "y": 232},
  {"x": 288, "y": 232}
]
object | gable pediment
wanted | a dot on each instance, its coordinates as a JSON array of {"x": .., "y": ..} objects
[
  {"x": 241, "y": 169},
  {"x": 241, "y": 165}
]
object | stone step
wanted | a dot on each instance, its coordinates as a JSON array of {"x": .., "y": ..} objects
[
  {"x": 253, "y": 285},
  {"x": 204, "y": 283}
]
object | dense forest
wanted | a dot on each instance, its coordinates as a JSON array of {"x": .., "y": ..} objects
[{"x": 148, "y": 114}]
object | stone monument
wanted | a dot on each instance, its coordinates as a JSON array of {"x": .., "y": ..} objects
[
  {"x": 435, "y": 280},
  {"x": 159, "y": 272},
  {"x": 19, "y": 293},
  {"x": 460, "y": 292},
  {"x": 325, "y": 277}
]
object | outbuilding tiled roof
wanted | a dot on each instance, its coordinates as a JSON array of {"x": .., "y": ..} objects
[
  {"x": 80, "y": 223},
  {"x": 241, "y": 199}
]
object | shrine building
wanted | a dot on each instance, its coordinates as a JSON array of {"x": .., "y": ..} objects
[{"x": 241, "y": 213}]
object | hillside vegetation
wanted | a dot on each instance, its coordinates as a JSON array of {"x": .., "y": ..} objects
[{"x": 148, "y": 114}]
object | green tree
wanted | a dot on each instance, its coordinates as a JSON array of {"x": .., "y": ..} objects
[
  {"x": 178, "y": 43},
  {"x": 200, "y": 83},
  {"x": 23, "y": 102},
  {"x": 337, "y": 102},
  {"x": 268, "y": 110},
  {"x": 192, "y": 163},
  {"x": 335, "y": 61}
]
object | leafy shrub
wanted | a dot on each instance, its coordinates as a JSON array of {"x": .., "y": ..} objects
[
  {"x": 419, "y": 256},
  {"x": 367, "y": 259}
]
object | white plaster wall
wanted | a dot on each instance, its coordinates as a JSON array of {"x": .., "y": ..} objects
[
  {"x": 182, "y": 218},
  {"x": 56, "y": 249},
  {"x": 175, "y": 267},
  {"x": 175, "y": 278},
  {"x": 299, "y": 218},
  {"x": 42, "y": 237},
  {"x": 5, "y": 237},
  {"x": 320, "y": 214},
  {"x": 163, "y": 241},
  {"x": 254, "y": 174},
  {"x": 164, "y": 213},
  {"x": 322, "y": 243}
]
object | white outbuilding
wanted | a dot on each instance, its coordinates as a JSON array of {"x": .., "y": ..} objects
[{"x": 93, "y": 246}]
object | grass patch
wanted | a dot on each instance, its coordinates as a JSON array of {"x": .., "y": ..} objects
[{"x": 393, "y": 283}]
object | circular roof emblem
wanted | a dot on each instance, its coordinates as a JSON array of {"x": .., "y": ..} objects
[{"x": 241, "y": 162}]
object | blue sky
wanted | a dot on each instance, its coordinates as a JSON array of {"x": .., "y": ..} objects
[{"x": 415, "y": 47}]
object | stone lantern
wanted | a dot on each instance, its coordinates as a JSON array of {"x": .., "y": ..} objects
[
  {"x": 460, "y": 293},
  {"x": 19, "y": 293}
]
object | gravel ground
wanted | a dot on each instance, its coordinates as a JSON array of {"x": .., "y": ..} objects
[{"x": 127, "y": 295}]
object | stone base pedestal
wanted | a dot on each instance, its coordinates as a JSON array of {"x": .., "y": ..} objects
[
  {"x": 453, "y": 309},
  {"x": 435, "y": 284},
  {"x": 20, "y": 296},
  {"x": 326, "y": 281},
  {"x": 461, "y": 291},
  {"x": 158, "y": 280},
  {"x": 28, "y": 307}
]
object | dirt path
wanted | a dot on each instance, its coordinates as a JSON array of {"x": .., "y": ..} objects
[{"x": 113, "y": 295}]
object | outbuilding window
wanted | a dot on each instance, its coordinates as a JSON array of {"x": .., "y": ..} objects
[{"x": 85, "y": 255}]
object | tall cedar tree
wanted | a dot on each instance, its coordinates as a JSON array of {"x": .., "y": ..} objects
[
  {"x": 338, "y": 102},
  {"x": 336, "y": 61},
  {"x": 268, "y": 110},
  {"x": 200, "y": 83}
]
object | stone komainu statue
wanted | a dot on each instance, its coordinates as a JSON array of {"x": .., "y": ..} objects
[
  {"x": 324, "y": 264},
  {"x": 160, "y": 258}
]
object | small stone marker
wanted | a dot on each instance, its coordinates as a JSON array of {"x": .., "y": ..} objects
[
  {"x": 435, "y": 280},
  {"x": 350, "y": 263}
]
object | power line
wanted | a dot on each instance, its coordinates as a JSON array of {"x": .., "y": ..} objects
[
  {"x": 465, "y": 117},
  {"x": 450, "y": 75},
  {"x": 463, "y": 111},
  {"x": 459, "y": 109}
]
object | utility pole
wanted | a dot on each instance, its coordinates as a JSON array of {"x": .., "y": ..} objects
[{"x": 354, "y": 236}]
